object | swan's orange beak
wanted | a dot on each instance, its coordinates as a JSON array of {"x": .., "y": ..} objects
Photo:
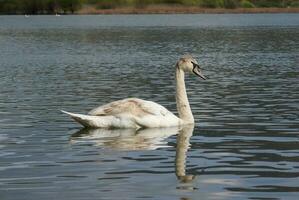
[{"x": 197, "y": 71}]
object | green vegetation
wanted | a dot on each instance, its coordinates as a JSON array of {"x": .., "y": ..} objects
[
  {"x": 200, "y": 3},
  {"x": 71, "y": 6},
  {"x": 39, "y": 6},
  {"x": 247, "y": 4}
]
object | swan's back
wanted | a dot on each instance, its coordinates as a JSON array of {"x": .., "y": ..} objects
[
  {"x": 133, "y": 112},
  {"x": 131, "y": 106}
]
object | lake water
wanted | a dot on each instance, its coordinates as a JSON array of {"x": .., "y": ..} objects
[{"x": 245, "y": 143}]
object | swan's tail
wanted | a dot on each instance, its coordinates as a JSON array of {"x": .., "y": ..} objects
[{"x": 88, "y": 120}]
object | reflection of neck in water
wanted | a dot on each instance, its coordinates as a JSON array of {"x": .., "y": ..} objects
[
  {"x": 183, "y": 144},
  {"x": 125, "y": 139}
]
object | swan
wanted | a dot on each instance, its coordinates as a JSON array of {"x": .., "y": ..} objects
[{"x": 137, "y": 113}]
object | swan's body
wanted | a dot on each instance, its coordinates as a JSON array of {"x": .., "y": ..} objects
[
  {"x": 138, "y": 113},
  {"x": 128, "y": 113}
]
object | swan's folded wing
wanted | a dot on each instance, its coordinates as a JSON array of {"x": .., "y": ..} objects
[
  {"x": 133, "y": 106},
  {"x": 154, "y": 108}
]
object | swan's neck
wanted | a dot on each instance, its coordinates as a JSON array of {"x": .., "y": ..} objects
[{"x": 182, "y": 102}]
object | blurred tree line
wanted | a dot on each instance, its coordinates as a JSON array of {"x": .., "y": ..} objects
[
  {"x": 108, "y": 4},
  {"x": 102, "y": 4},
  {"x": 39, "y": 6},
  {"x": 71, "y": 6}
]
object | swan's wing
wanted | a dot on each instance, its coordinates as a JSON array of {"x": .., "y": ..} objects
[{"x": 133, "y": 106}]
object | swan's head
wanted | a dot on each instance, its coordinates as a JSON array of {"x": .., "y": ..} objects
[{"x": 189, "y": 64}]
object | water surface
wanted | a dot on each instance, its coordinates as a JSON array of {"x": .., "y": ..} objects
[{"x": 245, "y": 141}]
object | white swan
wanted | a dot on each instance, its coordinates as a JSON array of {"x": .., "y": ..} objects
[{"x": 138, "y": 113}]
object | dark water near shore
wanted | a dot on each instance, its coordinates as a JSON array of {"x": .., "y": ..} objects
[{"x": 245, "y": 143}]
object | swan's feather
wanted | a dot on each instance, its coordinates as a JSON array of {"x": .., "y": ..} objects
[
  {"x": 127, "y": 113},
  {"x": 131, "y": 106},
  {"x": 88, "y": 120}
]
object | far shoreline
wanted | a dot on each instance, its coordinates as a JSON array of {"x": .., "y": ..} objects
[
  {"x": 91, "y": 10},
  {"x": 88, "y": 10}
]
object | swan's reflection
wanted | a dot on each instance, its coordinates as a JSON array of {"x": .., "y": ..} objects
[
  {"x": 183, "y": 144},
  {"x": 126, "y": 139},
  {"x": 144, "y": 139}
]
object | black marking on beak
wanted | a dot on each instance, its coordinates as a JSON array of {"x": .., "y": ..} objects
[
  {"x": 195, "y": 71},
  {"x": 195, "y": 65}
]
